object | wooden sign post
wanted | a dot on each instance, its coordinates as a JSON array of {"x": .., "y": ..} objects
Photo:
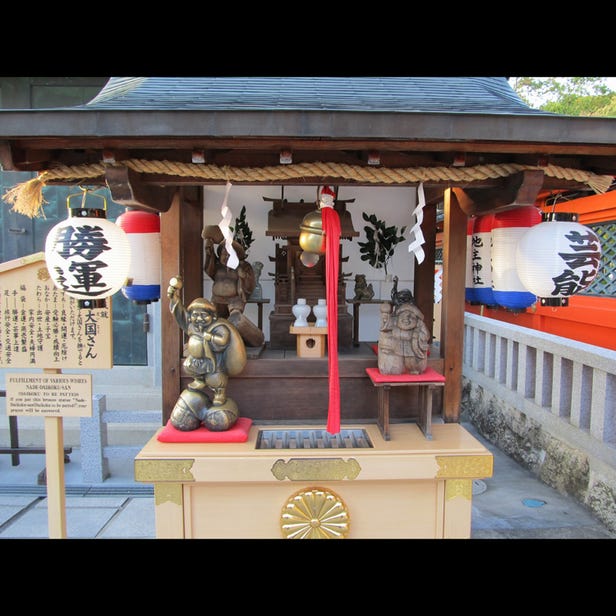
[
  {"x": 54, "y": 464},
  {"x": 42, "y": 327}
]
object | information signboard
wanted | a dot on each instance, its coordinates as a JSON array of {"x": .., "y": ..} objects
[
  {"x": 49, "y": 395},
  {"x": 42, "y": 327}
]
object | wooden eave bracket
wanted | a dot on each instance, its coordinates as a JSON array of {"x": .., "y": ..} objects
[
  {"x": 515, "y": 190},
  {"x": 128, "y": 190},
  {"x": 13, "y": 158},
  {"x": 6, "y": 156}
]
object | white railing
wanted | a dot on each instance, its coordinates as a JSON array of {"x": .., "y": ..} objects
[{"x": 567, "y": 386}]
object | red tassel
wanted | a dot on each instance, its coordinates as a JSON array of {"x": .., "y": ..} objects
[{"x": 331, "y": 228}]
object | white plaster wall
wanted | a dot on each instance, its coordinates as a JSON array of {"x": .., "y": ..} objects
[{"x": 394, "y": 205}]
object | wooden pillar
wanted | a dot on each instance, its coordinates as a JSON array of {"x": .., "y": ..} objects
[
  {"x": 452, "y": 320},
  {"x": 423, "y": 286},
  {"x": 182, "y": 253}
]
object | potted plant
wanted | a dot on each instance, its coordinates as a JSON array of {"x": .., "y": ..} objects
[{"x": 381, "y": 242}]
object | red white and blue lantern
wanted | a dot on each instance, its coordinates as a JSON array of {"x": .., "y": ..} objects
[
  {"x": 558, "y": 258},
  {"x": 469, "y": 291},
  {"x": 482, "y": 260},
  {"x": 143, "y": 231},
  {"x": 507, "y": 229},
  {"x": 87, "y": 256}
]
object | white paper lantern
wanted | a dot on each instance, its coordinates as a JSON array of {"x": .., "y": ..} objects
[
  {"x": 507, "y": 228},
  {"x": 143, "y": 232},
  {"x": 88, "y": 256},
  {"x": 469, "y": 290},
  {"x": 482, "y": 260},
  {"x": 558, "y": 258}
]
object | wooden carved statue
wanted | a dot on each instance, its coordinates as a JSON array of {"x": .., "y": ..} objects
[
  {"x": 404, "y": 339},
  {"x": 232, "y": 287}
]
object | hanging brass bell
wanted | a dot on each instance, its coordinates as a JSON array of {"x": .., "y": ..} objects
[{"x": 312, "y": 236}]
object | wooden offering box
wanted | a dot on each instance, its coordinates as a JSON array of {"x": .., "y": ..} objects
[
  {"x": 311, "y": 341},
  {"x": 301, "y": 482}
]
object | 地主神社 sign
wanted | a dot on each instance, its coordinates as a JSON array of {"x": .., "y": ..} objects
[
  {"x": 49, "y": 395},
  {"x": 42, "y": 327}
]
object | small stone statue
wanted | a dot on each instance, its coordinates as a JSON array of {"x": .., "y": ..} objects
[
  {"x": 363, "y": 291},
  {"x": 404, "y": 339},
  {"x": 214, "y": 351}
]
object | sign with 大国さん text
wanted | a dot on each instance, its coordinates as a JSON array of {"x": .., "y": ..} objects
[{"x": 42, "y": 327}]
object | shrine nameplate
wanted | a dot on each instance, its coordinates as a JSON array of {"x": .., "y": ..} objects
[{"x": 43, "y": 327}]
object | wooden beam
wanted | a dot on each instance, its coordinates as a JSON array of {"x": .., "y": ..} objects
[
  {"x": 127, "y": 189},
  {"x": 182, "y": 250},
  {"x": 14, "y": 158},
  {"x": 433, "y": 195},
  {"x": 514, "y": 191},
  {"x": 452, "y": 321}
]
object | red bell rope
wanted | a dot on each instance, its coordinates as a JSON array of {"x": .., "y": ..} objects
[{"x": 331, "y": 228}]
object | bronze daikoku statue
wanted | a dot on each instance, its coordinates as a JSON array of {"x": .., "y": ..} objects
[{"x": 214, "y": 351}]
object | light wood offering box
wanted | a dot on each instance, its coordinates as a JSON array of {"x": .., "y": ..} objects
[{"x": 407, "y": 487}]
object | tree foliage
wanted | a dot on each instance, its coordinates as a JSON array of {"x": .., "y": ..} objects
[{"x": 574, "y": 96}]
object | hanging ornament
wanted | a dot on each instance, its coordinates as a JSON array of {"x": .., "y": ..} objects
[
  {"x": 482, "y": 260},
  {"x": 311, "y": 238},
  {"x": 558, "y": 258},
  {"x": 312, "y": 235},
  {"x": 225, "y": 227},
  {"x": 507, "y": 229},
  {"x": 331, "y": 227},
  {"x": 88, "y": 256},
  {"x": 416, "y": 245},
  {"x": 143, "y": 232}
]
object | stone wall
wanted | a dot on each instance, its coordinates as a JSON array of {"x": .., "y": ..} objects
[{"x": 558, "y": 463}]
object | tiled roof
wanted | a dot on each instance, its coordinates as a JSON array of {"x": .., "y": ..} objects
[{"x": 482, "y": 95}]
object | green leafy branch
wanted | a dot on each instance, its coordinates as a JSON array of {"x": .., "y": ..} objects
[
  {"x": 242, "y": 233},
  {"x": 381, "y": 242}
]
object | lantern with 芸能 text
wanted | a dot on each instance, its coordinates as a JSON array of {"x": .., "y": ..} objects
[
  {"x": 558, "y": 258},
  {"x": 88, "y": 256},
  {"x": 143, "y": 231}
]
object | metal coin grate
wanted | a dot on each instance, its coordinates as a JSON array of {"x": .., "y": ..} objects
[{"x": 313, "y": 439}]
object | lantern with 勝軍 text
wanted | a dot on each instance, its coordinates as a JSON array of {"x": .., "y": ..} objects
[{"x": 88, "y": 256}]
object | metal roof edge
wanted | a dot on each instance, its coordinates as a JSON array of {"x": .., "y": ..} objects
[{"x": 416, "y": 126}]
